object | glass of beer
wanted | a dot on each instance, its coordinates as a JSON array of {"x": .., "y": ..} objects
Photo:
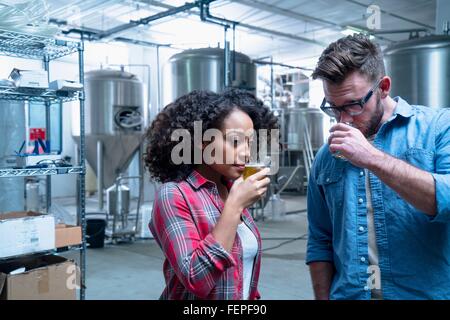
[
  {"x": 337, "y": 154},
  {"x": 253, "y": 167}
]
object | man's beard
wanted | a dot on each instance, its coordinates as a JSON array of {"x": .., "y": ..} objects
[{"x": 375, "y": 122}]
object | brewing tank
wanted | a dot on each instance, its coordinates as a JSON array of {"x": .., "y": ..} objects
[
  {"x": 115, "y": 119},
  {"x": 118, "y": 203},
  {"x": 298, "y": 119},
  {"x": 114, "y": 102},
  {"x": 203, "y": 69},
  {"x": 420, "y": 70}
]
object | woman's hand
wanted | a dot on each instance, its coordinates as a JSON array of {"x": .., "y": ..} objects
[
  {"x": 242, "y": 194},
  {"x": 246, "y": 192}
]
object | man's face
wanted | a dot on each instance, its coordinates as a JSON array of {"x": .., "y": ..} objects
[{"x": 353, "y": 88}]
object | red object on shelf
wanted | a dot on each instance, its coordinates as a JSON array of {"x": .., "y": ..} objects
[{"x": 37, "y": 133}]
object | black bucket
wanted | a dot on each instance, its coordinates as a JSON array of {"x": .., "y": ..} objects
[{"x": 95, "y": 233}]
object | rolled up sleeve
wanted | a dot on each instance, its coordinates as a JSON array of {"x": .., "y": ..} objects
[
  {"x": 442, "y": 164},
  {"x": 319, "y": 246}
]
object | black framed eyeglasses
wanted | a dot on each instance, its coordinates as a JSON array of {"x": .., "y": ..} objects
[{"x": 352, "y": 109}]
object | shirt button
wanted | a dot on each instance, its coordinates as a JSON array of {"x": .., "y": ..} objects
[
  {"x": 361, "y": 229},
  {"x": 360, "y": 200},
  {"x": 366, "y": 288},
  {"x": 328, "y": 180},
  {"x": 363, "y": 259},
  {"x": 361, "y": 173}
]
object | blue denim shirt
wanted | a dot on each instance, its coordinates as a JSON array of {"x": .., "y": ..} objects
[{"x": 413, "y": 248}]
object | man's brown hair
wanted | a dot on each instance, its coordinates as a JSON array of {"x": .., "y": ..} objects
[{"x": 349, "y": 54}]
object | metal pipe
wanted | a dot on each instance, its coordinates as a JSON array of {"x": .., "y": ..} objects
[
  {"x": 375, "y": 32},
  {"x": 259, "y": 61},
  {"x": 207, "y": 17},
  {"x": 134, "y": 23},
  {"x": 48, "y": 185},
  {"x": 288, "y": 181},
  {"x": 141, "y": 184},
  {"x": 226, "y": 63},
  {"x": 272, "y": 85},
  {"x": 158, "y": 72},
  {"x": 100, "y": 175},
  {"x": 97, "y": 34},
  {"x": 81, "y": 199},
  {"x": 255, "y": 28},
  {"x": 142, "y": 43},
  {"x": 233, "y": 61}
]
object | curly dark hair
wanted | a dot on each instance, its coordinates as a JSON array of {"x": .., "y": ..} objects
[{"x": 198, "y": 105}]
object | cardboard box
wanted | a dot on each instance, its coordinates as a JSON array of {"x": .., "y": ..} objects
[
  {"x": 26, "y": 232},
  {"x": 43, "y": 278},
  {"x": 66, "y": 235},
  {"x": 65, "y": 85}
]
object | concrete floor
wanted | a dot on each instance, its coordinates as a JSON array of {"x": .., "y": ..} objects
[{"x": 134, "y": 270}]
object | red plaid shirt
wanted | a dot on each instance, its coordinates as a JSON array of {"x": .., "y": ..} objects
[{"x": 196, "y": 265}]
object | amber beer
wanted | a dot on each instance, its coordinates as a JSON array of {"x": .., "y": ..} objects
[{"x": 252, "y": 168}]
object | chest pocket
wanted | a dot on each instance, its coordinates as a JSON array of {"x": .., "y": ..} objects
[
  {"x": 331, "y": 182},
  {"x": 419, "y": 158}
]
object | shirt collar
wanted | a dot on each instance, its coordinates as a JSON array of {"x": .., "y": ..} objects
[
  {"x": 402, "y": 108},
  {"x": 196, "y": 180}
]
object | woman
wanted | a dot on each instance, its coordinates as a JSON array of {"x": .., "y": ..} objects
[{"x": 200, "y": 221}]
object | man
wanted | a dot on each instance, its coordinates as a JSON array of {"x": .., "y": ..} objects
[{"x": 379, "y": 191}]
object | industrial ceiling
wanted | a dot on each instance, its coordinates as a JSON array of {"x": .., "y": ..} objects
[{"x": 291, "y": 31}]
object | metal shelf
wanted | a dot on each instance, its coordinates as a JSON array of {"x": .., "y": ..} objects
[
  {"x": 21, "y": 45},
  {"x": 9, "y": 173},
  {"x": 37, "y": 95},
  {"x": 29, "y": 46},
  {"x": 43, "y": 253}
]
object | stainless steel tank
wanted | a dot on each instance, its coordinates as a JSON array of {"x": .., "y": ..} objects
[
  {"x": 114, "y": 102},
  {"x": 115, "y": 118},
  {"x": 118, "y": 203},
  {"x": 12, "y": 133},
  {"x": 420, "y": 70},
  {"x": 203, "y": 69},
  {"x": 300, "y": 89},
  {"x": 297, "y": 119}
]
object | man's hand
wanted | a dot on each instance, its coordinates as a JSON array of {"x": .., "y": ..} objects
[
  {"x": 412, "y": 184},
  {"x": 352, "y": 145}
]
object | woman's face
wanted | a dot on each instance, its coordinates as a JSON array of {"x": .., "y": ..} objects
[{"x": 237, "y": 134}]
